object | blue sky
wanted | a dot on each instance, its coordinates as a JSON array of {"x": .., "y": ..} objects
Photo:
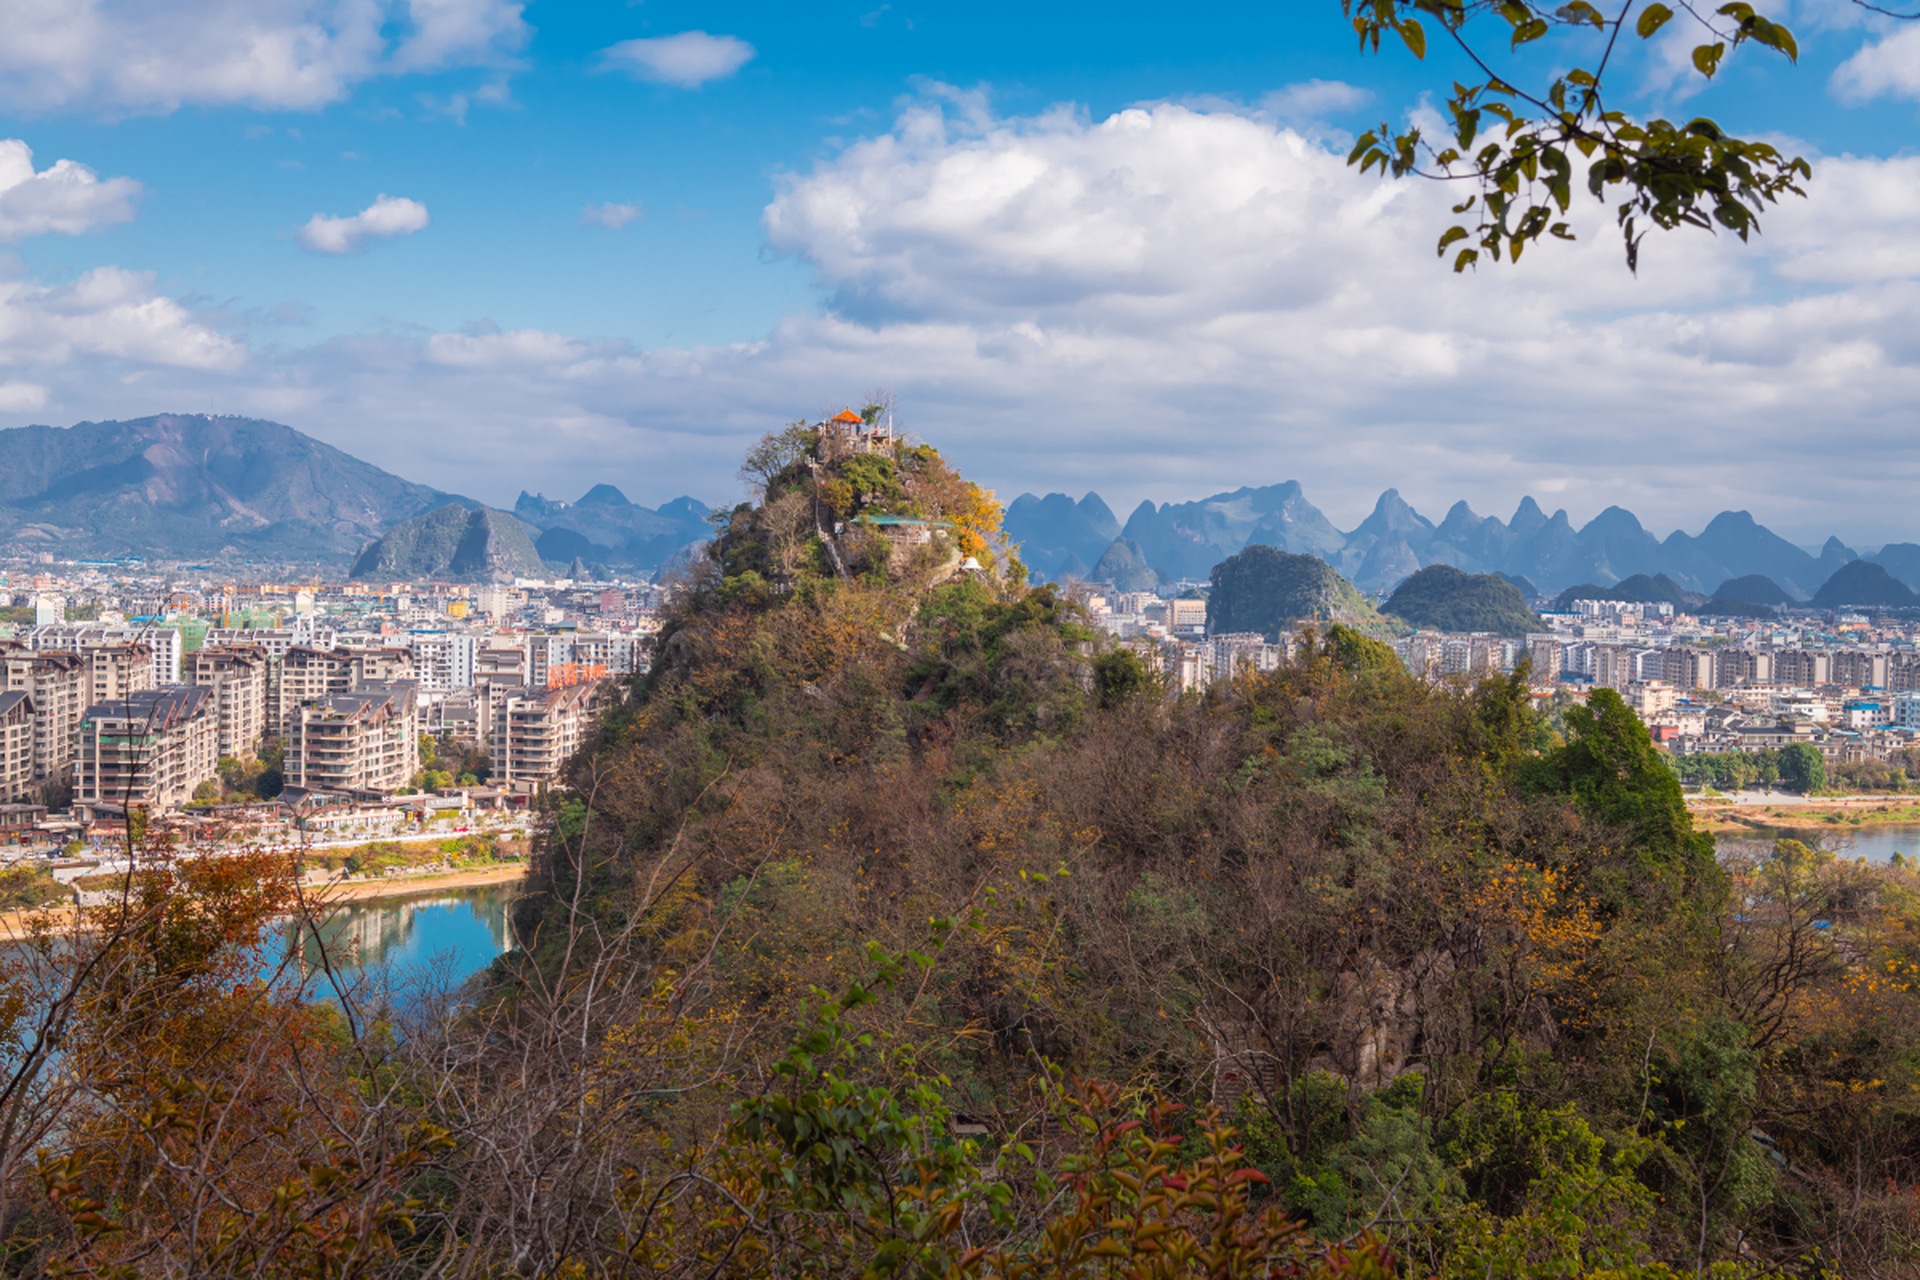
[{"x": 491, "y": 246}]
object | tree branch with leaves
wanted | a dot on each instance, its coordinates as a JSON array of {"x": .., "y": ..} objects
[{"x": 1522, "y": 150}]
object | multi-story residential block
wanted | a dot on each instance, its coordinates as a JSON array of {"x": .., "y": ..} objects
[
  {"x": 535, "y": 734},
  {"x": 161, "y": 645},
  {"x": 1613, "y": 667},
  {"x": 1544, "y": 655},
  {"x": 443, "y": 661},
  {"x": 147, "y": 750},
  {"x": 1734, "y": 667},
  {"x": 273, "y": 642},
  {"x": 1860, "y": 668},
  {"x": 307, "y": 675},
  {"x": 117, "y": 671},
  {"x": 16, "y": 746},
  {"x": 1652, "y": 698},
  {"x": 1802, "y": 667},
  {"x": 502, "y": 666},
  {"x": 56, "y": 682},
  {"x": 1686, "y": 668},
  {"x": 362, "y": 740},
  {"x": 237, "y": 675}
]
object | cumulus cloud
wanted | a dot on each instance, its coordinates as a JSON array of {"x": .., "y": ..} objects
[
  {"x": 1169, "y": 302},
  {"x": 687, "y": 60},
  {"x": 156, "y": 55},
  {"x": 1889, "y": 68},
  {"x": 108, "y": 313},
  {"x": 387, "y": 217},
  {"x": 1312, "y": 99},
  {"x": 66, "y": 197},
  {"x": 611, "y": 215}
]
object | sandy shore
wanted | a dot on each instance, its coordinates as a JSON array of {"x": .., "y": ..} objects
[
  {"x": 409, "y": 886},
  {"x": 20, "y": 924}
]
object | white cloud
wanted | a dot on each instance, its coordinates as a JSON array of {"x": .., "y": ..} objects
[
  {"x": 611, "y": 215},
  {"x": 687, "y": 60},
  {"x": 1165, "y": 302},
  {"x": 21, "y": 397},
  {"x": 387, "y": 217},
  {"x": 1888, "y": 68},
  {"x": 1312, "y": 99},
  {"x": 66, "y": 197},
  {"x": 107, "y": 313},
  {"x": 156, "y": 55}
]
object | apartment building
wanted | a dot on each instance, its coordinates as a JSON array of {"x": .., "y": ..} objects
[
  {"x": 1802, "y": 667},
  {"x": 365, "y": 739},
  {"x": 147, "y": 750},
  {"x": 535, "y": 733},
  {"x": 16, "y": 746},
  {"x": 237, "y": 676},
  {"x": 1860, "y": 668},
  {"x": 502, "y": 667},
  {"x": 1545, "y": 654},
  {"x": 1686, "y": 668},
  {"x": 162, "y": 646},
  {"x": 307, "y": 675},
  {"x": 56, "y": 683},
  {"x": 443, "y": 661},
  {"x": 1613, "y": 667},
  {"x": 1733, "y": 668},
  {"x": 117, "y": 671}
]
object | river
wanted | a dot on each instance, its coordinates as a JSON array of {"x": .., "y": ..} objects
[
  {"x": 435, "y": 939},
  {"x": 1875, "y": 844}
]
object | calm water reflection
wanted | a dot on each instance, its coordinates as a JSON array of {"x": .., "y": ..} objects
[
  {"x": 443, "y": 937},
  {"x": 1875, "y": 844}
]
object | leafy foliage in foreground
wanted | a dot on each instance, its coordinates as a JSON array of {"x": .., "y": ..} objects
[{"x": 1522, "y": 150}]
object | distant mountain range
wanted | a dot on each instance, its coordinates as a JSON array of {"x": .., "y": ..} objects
[
  {"x": 1060, "y": 537},
  {"x": 193, "y": 487},
  {"x": 188, "y": 487}
]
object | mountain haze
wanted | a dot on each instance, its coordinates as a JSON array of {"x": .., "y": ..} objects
[
  {"x": 451, "y": 544},
  {"x": 193, "y": 486},
  {"x": 1185, "y": 540}
]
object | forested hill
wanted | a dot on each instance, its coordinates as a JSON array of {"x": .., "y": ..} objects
[
  {"x": 1266, "y": 591},
  {"x": 899, "y": 924},
  {"x": 1445, "y": 599}
]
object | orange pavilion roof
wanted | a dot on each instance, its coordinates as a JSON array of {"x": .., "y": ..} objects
[{"x": 849, "y": 417}]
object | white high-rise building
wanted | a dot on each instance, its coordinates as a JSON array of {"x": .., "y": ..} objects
[{"x": 441, "y": 661}]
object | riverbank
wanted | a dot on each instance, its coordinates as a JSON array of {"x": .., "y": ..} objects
[
  {"x": 21, "y": 924},
  {"x": 409, "y": 886},
  {"x": 1748, "y": 811}
]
